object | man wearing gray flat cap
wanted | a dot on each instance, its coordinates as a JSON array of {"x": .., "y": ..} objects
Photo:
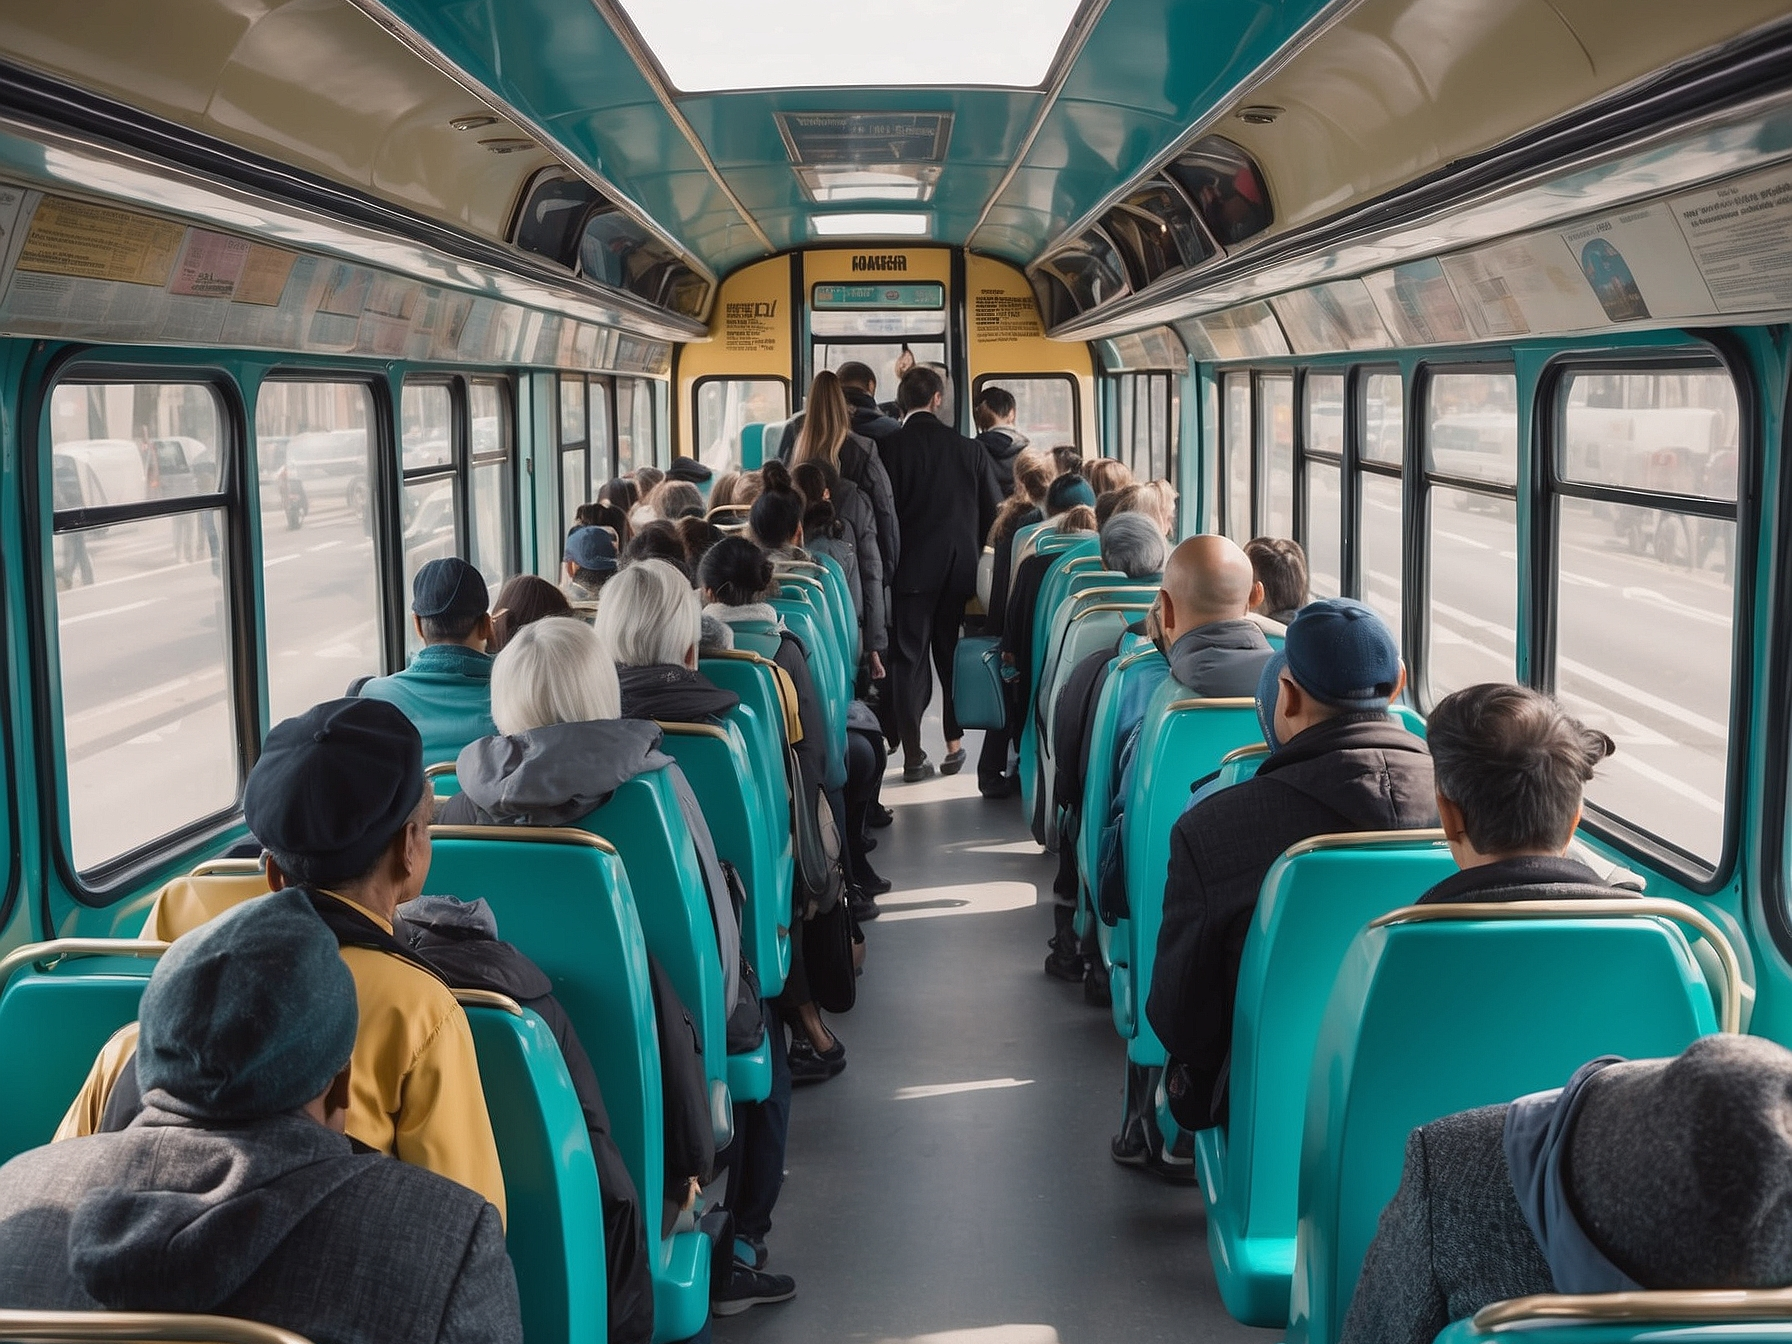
[
  {"x": 235, "y": 1192},
  {"x": 447, "y": 689},
  {"x": 1639, "y": 1174}
]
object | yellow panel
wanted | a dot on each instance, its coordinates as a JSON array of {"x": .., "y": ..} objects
[
  {"x": 832, "y": 265},
  {"x": 1005, "y": 335},
  {"x": 749, "y": 337}
]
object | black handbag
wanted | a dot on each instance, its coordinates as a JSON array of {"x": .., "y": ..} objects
[{"x": 827, "y": 959}]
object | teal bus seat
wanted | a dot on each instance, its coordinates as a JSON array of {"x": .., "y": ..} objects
[
  {"x": 1241, "y": 764},
  {"x": 832, "y": 608},
  {"x": 554, "y": 1226},
  {"x": 642, "y": 820},
  {"x": 715, "y": 761},
  {"x": 1313, "y": 903},
  {"x": 756, "y": 679},
  {"x": 1414, "y": 721},
  {"x": 59, "y": 1003},
  {"x": 752, "y": 447},
  {"x": 1724, "y": 1316},
  {"x": 828, "y": 673},
  {"x": 1442, "y": 1008},
  {"x": 563, "y": 896},
  {"x": 826, "y": 572},
  {"x": 760, "y": 637},
  {"x": 1183, "y": 739},
  {"x": 1137, "y": 666},
  {"x": 1025, "y": 539}
]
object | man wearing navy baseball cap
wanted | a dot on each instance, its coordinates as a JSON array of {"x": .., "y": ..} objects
[
  {"x": 1338, "y": 762},
  {"x": 447, "y": 689},
  {"x": 590, "y": 563}
]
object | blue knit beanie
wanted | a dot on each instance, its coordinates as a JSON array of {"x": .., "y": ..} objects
[
  {"x": 1343, "y": 654},
  {"x": 1066, "y": 492},
  {"x": 249, "y": 1015}
]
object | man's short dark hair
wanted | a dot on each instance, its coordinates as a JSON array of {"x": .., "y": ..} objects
[
  {"x": 1515, "y": 762},
  {"x": 999, "y": 400},
  {"x": 919, "y": 386},
  {"x": 592, "y": 579},
  {"x": 856, "y": 375},
  {"x": 448, "y": 629},
  {"x": 1281, "y": 567}
]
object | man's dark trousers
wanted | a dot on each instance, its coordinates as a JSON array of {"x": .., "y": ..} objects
[{"x": 923, "y": 622}]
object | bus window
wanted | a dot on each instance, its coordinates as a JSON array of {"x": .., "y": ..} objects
[
  {"x": 575, "y": 449},
  {"x": 489, "y": 478},
  {"x": 724, "y": 405},
  {"x": 634, "y": 424},
  {"x": 428, "y": 504},
  {"x": 1471, "y": 460},
  {"x": 1275, "y": 429},
  {"x": 1645, "y": 594},
  {"x": 1324, "y": 455},
  {"x": 319, "y": 572},
  {"x": 143, "y": 631},
  {"x": 1044, "y": 406},
  {"x": 1380, "y": 522},
  {"x": 1235, "y": 435}
]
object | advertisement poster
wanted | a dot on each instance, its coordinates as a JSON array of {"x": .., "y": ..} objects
[
  {"x": 1741, "y": 240},
  {"x": 1638, "y": 265},
  {"x": 1418, "y": 305}
]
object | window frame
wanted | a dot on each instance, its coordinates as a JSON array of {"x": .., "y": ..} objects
[
  {"x": 982, "y": 380},
  {"x": 1424, "y": 481},
  {"x": 697, "y": 402},
  {"x": 1719, "y": 351},
  {"x": 1223, "y": 515},
  {"x": 1304, "y": 453},
  {"x": 505, "y": 387},
  {"x": 1260, "y": 465},
  {"x": 1356, "y": 421},
  {"x": 104, "y": 883}
]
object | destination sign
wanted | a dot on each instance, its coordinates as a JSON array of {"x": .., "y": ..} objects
[{"x": 871, "y": 298}]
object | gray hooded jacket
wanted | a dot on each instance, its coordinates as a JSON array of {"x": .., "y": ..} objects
[
  {"x": 248, "y": 1220},
  {"x": 1221, "y": 658},
  {"x": 557, "y": 775}
]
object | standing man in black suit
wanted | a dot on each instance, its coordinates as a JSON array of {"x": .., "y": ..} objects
[{"x": 946, "y": 500}]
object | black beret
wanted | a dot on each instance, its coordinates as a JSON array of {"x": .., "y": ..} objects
[
  {"x": 688, "y": 469},
  {"x": 449, "y": 588},
  {"x": 336, "y": 783}
]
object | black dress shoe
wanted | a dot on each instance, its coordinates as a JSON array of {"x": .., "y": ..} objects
[
  {"x": 920, "y": 770},
  {"x": 952, "y": 762},
  {"x": 869, "y": 882},
  {"x": 878, "y": 815}
]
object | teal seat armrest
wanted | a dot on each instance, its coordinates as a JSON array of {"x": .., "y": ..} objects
[
  {"x": 750, "y": 1072},
  {"x": 681, "y": 1295}
]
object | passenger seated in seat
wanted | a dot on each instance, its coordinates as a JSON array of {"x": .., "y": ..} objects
[
  {"x": 1022, "y": 508},
  {"x": 1061, "y": 497},
  {"x": 658, "y": 540},
  {"x": 652, "y": 622},
  {"x": 1338, "y": 762},
  {"x": 1131, "y": 545},
  {"x": 590, "y": 561},
  {"x": 447, "y": 689},
  {"x": 236, "y": 1192},
  {"x": 1281, "y": 568},
  {"x": 524, "y": 600},
  {"x": 338, "y": 799},
  {"x": 1648, "y": 1173},
  {"x": 1510, "y": 765}
]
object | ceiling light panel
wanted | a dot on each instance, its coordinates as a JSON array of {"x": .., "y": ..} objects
[
  {"x": 890, "y": 182},
  {"x": 710, "y": 46},
  {"x": 869, "y": 225}
]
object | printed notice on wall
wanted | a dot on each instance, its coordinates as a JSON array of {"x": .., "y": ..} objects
[
  {"x": 95, "y": 243},
  {"x": 1741, "y": 238},
  {"x": 1002, "y": 318},
  {"x": 750, "y": 326},
  {"x": 218, "y": 266}
]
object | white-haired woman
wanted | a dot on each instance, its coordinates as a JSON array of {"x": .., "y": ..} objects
[{"x": 652, "y": 621}]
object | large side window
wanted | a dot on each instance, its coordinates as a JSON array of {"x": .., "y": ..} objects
[
  {"x": 1380, "y": 523},
  {"x": 1471, "y": 506},
  {"x": 1645, "y": 520},
  {"x": 489, "y": 475},
  {"x": 634, "y": 424},
  {"x": 1275, "y": 435},
  {"x": 1235, "y": 437},
  {"x": 430, "y": 500},
  {"x": 1323, "y": 482},
  {"x": 143, "y": 626},
  {"x": 314, "y": 446},
  {"x": 1045, "y": 407},
  {"x": 575, "y": 448}
]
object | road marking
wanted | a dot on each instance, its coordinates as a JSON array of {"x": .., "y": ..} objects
[
  {"x": 1678, "y": 713},
  {"x": 1670, "y": 783},
  {"x": 322, "y": 546},
  {"x": 67, "y": 621},
  {"x": 1457, "y": 536},
  {"x": 279, "y": 560},
  {"x": 1666, "y": 603},
  {"x": 1574, "y": 580}
]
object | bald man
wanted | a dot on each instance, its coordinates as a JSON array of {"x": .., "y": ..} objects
[
  {"x": 1203, "y": 612},
  {"x": 1338, "y": 762}
]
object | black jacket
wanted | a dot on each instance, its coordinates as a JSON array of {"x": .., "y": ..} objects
[
  {"x": 1357, "y": 772},
  {"x": 468, "y": 959},
  {"x": 946, "y": 500},
  {"x": 868, "y": 417},
  {"x": 860, "y": 464},
  {"x": 1003, "y": 444},
  {"x": 1531, "y": 878},
  {"x": 1004, "y": 562},
  {"x": 672, "y": 694}
]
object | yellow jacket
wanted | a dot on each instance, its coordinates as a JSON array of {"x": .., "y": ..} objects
[{"x": 414, "y": 1088}]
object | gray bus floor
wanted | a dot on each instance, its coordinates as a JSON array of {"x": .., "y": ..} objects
[{"x": 953, "y": 1184}]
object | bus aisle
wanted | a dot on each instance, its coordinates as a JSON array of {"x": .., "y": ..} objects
[{"x": 953, "y": 1184}]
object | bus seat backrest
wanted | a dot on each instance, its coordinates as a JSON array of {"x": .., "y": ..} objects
[
  {"x": 1133, "y": 666},
  {"x": 760, "y": 637},
  {"x": 1024, "y": 540},
  {"x": 1183, "y": 739},
  {"x": 1313, "y": 903},
  {"x": 1414, "y": 721},
  {"x": 752, "y": 447},
  {"x": 1439, "y": 1009},
  {"x": 55, "y": 1014},
  {"x": 554, "y": 1227},
  {"x": 643, "y": 821},
  {"x": 1725, "y": 1316},
  {"x": 715, "y": 761}
]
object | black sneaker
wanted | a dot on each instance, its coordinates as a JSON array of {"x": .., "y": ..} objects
[
  {"x": 920, "y": 770},
  {"x": 878, "y": 815},
  {"x": 749, "y": 1287},
  {"x": 863, "y": 908},
  {"x": 869, "y": 882},
  {"x": 1095, "y": 984},
  {"x": 1064, "y": 965}
]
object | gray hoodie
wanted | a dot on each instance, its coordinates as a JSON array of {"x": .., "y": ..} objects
[
  {"x": 248, "y": 1220},
  {"x": 1221, "y": 658},
  {"x": 557, "y": 775}
]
